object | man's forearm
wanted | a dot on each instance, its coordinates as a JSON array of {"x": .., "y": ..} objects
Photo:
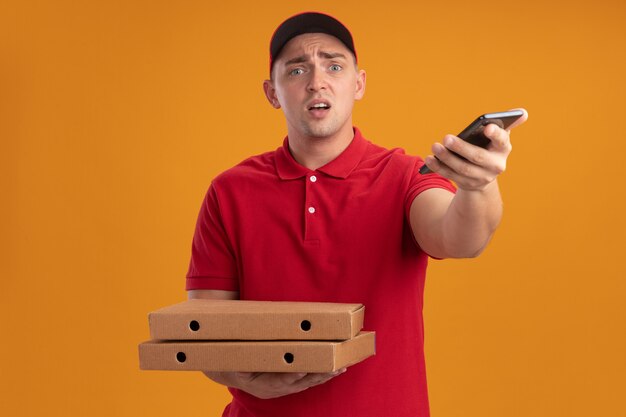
[{"x": 471, "y": 220}]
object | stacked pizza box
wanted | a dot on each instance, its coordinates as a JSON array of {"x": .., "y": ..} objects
[{"x": 256, "y": 336}]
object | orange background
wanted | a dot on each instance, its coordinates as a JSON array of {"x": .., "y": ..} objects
[{"x": 115, "y": 115}]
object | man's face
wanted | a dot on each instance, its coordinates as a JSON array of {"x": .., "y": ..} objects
[{"x": 315, "y": 81}]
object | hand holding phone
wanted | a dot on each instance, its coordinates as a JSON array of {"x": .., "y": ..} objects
[{"x": 473, "y": 133}]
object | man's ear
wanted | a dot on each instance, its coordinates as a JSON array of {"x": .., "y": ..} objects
[
  {"x": 270, "y": 93},
  {"x": 360, "y": 85}
]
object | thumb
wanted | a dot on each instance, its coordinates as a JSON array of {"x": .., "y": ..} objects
[{"x": 245, "y": 375}]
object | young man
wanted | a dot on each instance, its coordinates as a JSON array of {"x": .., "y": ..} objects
[{"x": 330, "y": 216}]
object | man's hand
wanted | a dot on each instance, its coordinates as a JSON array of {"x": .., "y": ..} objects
[
  {"x": 482, "y": 166},
  {"x": 460, "y": 225},
  {"x": 266, "y": 385},
  {"x": 262, "y": 384}
]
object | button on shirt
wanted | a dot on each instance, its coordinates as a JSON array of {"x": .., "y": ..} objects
[{"x": 275, "y": 230}]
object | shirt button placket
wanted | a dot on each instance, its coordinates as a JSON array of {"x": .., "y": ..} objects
[{"x": 310, "y": 232}]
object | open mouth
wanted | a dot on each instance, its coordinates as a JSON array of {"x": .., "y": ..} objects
[{"x": 319, "y": 107}]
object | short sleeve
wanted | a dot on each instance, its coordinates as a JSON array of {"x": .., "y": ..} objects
[
  {"x": 213, "y": 264},
  {"x": 422, "y": 182}
]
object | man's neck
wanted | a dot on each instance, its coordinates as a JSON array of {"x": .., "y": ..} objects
[{"x": 313, "y": 153}]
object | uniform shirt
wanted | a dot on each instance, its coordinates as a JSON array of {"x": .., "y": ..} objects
[{"x": 277, "y": 231}]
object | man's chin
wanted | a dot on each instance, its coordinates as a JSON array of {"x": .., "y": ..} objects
[{"x": 320, "y": 131}]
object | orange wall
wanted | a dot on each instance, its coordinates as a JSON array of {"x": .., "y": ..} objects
[{"x": 115, "y": 115}]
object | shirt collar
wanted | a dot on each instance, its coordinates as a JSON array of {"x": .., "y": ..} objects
[{"x": 341, "y": 167}]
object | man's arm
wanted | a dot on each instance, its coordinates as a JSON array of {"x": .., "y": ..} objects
[
  {"x": 461, "y": 225},
  {"x": 261, "y": 384}
]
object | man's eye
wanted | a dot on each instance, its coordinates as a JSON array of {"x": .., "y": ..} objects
[
  {"x": 296, "y": 71},
  {"x": 335, "y": 68}
]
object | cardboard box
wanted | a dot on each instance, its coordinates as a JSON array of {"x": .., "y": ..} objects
[
  {"x": 256, "y": 320},
  {"x": 262, "y": 356}
]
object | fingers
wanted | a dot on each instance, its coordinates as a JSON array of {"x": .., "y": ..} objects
[
  {"x": 479, "y": 169},
  {"x": 313, "y": 379},
  {"x": 276, "y": 384},
  {"x": 291, "y": 378},
  {"x": 466, "y": 175},
  {"x": 471, "y": 166},
  {"x": 476, "y": 161},
  {"x": 247, "y": 376},
  {"x": 500, "y": 138}
]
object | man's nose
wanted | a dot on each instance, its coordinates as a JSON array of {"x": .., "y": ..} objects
[{"x": 317, "y": 80}]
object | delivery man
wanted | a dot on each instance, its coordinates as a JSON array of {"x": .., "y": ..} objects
[{"x": 329, "y": 216}]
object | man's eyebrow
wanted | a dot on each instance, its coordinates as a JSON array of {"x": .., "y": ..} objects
[
  {"x": 297, "y": 60},
  {"x": 331, "y": 55},
  {"x": 326, "y": 55}
]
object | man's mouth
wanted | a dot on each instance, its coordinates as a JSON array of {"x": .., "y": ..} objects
[{"x": 319, "y": 106}]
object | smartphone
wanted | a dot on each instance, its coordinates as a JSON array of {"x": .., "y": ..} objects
[{"x": 474, "y": 132}]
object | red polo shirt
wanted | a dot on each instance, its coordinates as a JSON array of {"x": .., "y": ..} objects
[{"x": 275, "y": 230}]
